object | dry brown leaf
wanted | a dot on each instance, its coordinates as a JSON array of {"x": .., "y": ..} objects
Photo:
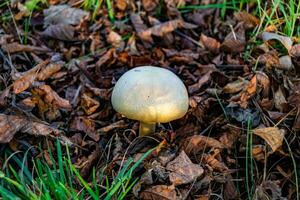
[
  {"x": 272, "y": 135},
  {"x": 182, "y": 170},
  {"x": 16, "y": 47},
  {"x": 203, "y": 80},
  {"x": 118, "y": 124},
  {"x": 150, "y": 5},
  {"x": 60, "y": 32},
  {"x": 295, "y": 51},
  {"x": 197, "y": 143},
  {"x": 235, "y": 41},
  {"x": 235, "y": 86},
  {"x": 248, "y": 93},
  {"x": 86, "y": 125},
  {"x": 258, "y": 152},
  {"x": 286, "y": 41},
  {"x": 63, "y": 14},
  {"x": 116, "y": 40},
  {"x": 279, "y": 100},
  {"x": 48, "y": 71},
  {"x": 160, "y": 192},
  {"x": 27, "y": 78},
  {"x": 121, "y": 4},
  {"x": 139, "y": 27},
  {"x": 269, "y": 59},
  {"x": 11, "y": 124},
  {"x": 210, "y": 43},
  {"x": 248, "y": 19},
  {"x": 162, "y": 29},
  {"x": 89, "y": 104},
  {"x": 51, "y": 97},
  {"x": 214, "y": 163}
]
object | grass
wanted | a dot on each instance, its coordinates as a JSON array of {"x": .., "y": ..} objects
[
  {"x": 95, "y": 6},
  {"x": 61, "y": 180},
  {"x": 249, "y": 161}
]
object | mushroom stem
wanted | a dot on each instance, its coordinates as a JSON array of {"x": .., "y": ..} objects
[{"x": 147, "y": 128}]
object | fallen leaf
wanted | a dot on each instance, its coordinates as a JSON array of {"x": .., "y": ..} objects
[
  {"x": 150, "y": 5},
  {"x": 163, "y": 29},
  {"x": 63, "y": 14},
  {"x": 279, "y": 100},
  {"x": 235, "y": 41},
  {"x": 235, "y": 86},
  {"x": 214, "y": 163},
  {"x": 210, "y": 43},
  {"x": 182, "y": 170},
  {"x": 203, "y": 80},
  {"x": 198, "y": 143},
  {"x": 118, "y": 124},
  {"x": 16, "y": 47},
  {"x": 248, "y": 93},
  {"x": 248, "y": 19},
  {"x": 86, "y": 125},
  {"x": 269, "y": 59},
  {"x": 139, "y": 27},
  {"x": 49, "y": 70},
  {"x": 160, "y": 192},
  {"x": 242, "y": 115},
  {"x": 28, "y": 78},
  {"x": 89, "y": 104},
  {"x": 116, "y": 40},
  {"x": 11, "y": 124},
  {"x": 295, "y": 51},
  {"x": 286, "y": 41},
  {"x": 269, "y": 190},
  {"x": 60, "y": 32},
  {"x": 272, "y": 135},
  {"x": 121, "y": 5},
  {"x": 51, "y": 97}
]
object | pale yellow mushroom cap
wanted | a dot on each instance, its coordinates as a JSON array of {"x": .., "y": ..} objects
[{"x": 150, "y": 94}]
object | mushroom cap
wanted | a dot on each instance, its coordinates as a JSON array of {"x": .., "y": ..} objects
[{"x": 150, "y": 94}]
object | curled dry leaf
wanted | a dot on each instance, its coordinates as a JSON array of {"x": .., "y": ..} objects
[
  {"x": 116, "y": 40},
  {"x": 49, "y": 70},
  {"x": 248, "y": 93},
  {"x": 210, "y": 43},
  {"x": 60, "y": 32},
  {"x": 272, "y": 135},
  {"x": 118, "y": 124},
  {"x": 198, "y": 143},
  {"x": 203, "y": 80},
  {"x": 295, "y": 51},
  {"x": 89, "y": 104},
  {"x": 182, "y": 170},
  {"x": 16, "y": 47},
  {"x": 63, "y": 14},
  {"x": 235, "y": 86},
  {"x": 160, "y": 192},
  {"x": 51, "y": 98},
  {"x": 86, "y": 125},
  {"x": 269, "y": 59},
  {"x": 214, "y": 163},
  {"x": 164, "y": 28},
  {"x": 248, "y": 19},
  {"x": 11, "y": 124},
  {"x": 139, "y": 27},
  {"x": 27, "y": 78},
  {"x": 235, "y": 41},
  {"x": 285, "y": 41}
]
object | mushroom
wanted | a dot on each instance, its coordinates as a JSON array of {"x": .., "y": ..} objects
[{"x": 151, "y": 95}]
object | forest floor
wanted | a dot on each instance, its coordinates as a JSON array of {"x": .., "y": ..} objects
[{"x": 61, "y": 139}]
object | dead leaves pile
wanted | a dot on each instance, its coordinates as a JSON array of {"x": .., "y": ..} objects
[{"x": 62, "y": 79}]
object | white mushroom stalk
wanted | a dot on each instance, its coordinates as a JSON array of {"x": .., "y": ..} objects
[{"x": 151, "y": 95}]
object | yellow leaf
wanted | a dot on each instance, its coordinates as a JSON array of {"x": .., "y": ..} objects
[{"x": 272, "y": 135}]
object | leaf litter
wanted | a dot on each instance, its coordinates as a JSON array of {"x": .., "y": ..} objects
[{"x": 59, "y": 82}]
